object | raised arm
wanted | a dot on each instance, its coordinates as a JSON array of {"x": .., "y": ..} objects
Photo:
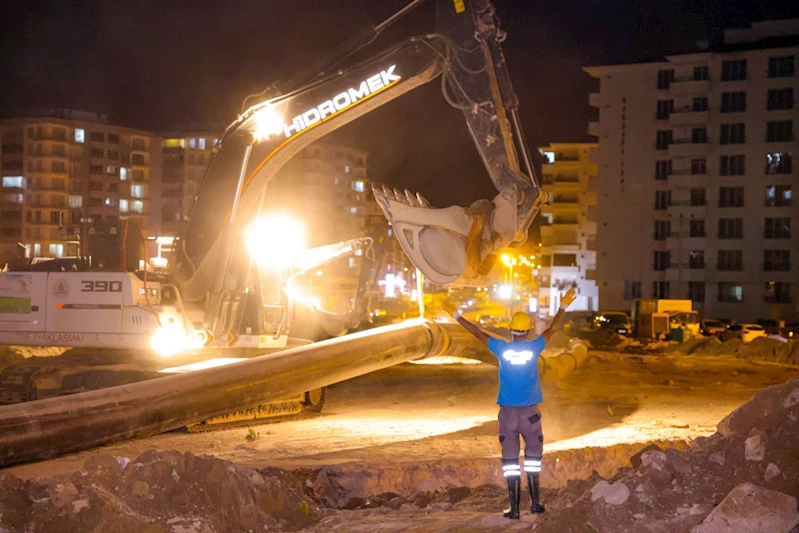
[
  {"x": 565, "y": 301},
  {"x": 468, "y": 326}
]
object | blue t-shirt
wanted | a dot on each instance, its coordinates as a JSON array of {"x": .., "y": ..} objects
[{"x": 518, "y": 371}]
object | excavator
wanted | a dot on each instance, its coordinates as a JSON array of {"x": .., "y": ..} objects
[{"x": 224, "y": 294}]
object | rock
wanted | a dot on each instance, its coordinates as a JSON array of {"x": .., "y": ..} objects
[
  {"x": 62, "y": 494},
  {"x": 396, "y": 503},
  {"x": 717, "y": 458},
  {"x": 772, "y": 471},
  {"x": 749, "y": 508},
  {"x": 792, "y": 399},
  {"x": 441, "y": 506},
  {"x": 139, "y": 488},
  {"x": 635, "y": 460},
  {"x": 405, "y": 507},
  {"x": 354, "y": 503},
  {"x": 614, "y": 494},
  {"x": 755, "y": 447},
  {"x": 639, "y": 516},
  {"x": 79, "y": 505},
  {"x": 656, "y": 460},
  {"x": 770, "y": 401}
]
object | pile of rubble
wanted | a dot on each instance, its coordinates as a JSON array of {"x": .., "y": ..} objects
[
  {"x": 159, "y": 492},
  {"x": 761, "y": 348},
  {"x": 742, "y": 479}
]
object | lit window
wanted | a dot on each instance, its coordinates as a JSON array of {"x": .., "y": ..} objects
[
  {"x": 137, "y": 206},
  {"x": 80, "y": 135},
  {"x": 347, "y": 169},
  {"x": 390, "y": 232},
  {"x": 357, "y": 186},
  {"x": 13, "y": 181},
  {"x": 174, "y": 143},
  {"x": 110, "y": 202},
  {"x": 201, "y": 143},
  {"x": 137, "y": 191},
  {"x": 75, "y": 201},
  {"x": 549, "y": 157},
  {"x": 13, "y": 198},
  {"x": 110, "y": 170},
  {"x": 352, "y": 262},
  {"x": 354, "y": 210},
  {"x": 37, "y": 250},
  {"x": 123, "y": 206},
  {"x": 123, "y": 173},
  {"x": 56, "y": 250},
  {"x": 192, "y": 143}
]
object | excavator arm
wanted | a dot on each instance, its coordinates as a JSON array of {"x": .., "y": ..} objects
[{"x": 452, "y": 245}]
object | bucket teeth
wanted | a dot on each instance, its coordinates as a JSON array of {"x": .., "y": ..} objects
[
  {"x": 388, "y": 193},
  {"x": 411, "y": 198},
  {"x": 422, "y": 200},
  {"x": 399, "y": 196}
]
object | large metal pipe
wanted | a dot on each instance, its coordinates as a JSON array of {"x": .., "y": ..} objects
[{"x": 48, "y": 428}]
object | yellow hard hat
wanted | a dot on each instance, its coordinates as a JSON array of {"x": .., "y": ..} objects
[{"x": 520, "y": 322}]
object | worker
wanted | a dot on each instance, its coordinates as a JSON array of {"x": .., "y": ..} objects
[{"x": 518, "y": 398}]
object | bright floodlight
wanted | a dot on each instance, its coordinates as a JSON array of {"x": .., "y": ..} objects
[
  {"x": 275, "y": 240},
  {"x": 267, "y": 122}
]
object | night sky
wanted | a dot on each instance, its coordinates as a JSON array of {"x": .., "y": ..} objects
[{"x": 156, "y": 63}]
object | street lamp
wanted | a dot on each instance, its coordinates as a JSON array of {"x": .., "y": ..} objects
[{"x": 509, "y": 262}]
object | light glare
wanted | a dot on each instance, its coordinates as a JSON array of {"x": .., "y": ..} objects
[{"x": 276, "y": 240}]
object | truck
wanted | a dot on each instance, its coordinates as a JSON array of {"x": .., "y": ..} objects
[
  {"x": 655, "y": 318},
  {"x": 224, "y": 296}
]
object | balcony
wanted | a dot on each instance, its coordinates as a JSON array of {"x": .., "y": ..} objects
[
  {"x": 593, "y": 129},
  {"x": 561, "y": 199},
  {"x": 564, "y": 221},
  {"x": 688, "y": 117},
  {"x": 684, "y": 179},
  {"x": 593, "y": 100},
  {"x": 688, "y": 86},
  {"x": 686, "y": 148}
]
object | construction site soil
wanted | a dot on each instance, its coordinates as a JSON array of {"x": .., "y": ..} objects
[{"x": 663, "y": 440}]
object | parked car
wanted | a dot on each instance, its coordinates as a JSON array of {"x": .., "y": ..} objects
[
  {"x": 711, "y": 326},
  {"x": 687, "y": 320},
  {"x": 773, "y": 327},
  {"x": 617, "y": 321},
  {"x": 487, "y": 321},
  {"x": 747, "y": 332}
]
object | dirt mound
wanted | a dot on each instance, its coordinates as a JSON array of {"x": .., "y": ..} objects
[
  {"x": 740, "y": 480},
  {"x": 761, "y": 348},
  {"x": 159, "y": 492}
]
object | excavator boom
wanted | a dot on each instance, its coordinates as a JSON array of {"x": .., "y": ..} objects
[{"x": 452, "y": 245}]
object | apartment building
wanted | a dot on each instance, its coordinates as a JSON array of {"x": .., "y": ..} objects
[
  {"x": 696, "y": 177},
  {"x": 64, "y": 169},
  {"x": 569, "y": 226},
  {"x": 185, "y": 156}
]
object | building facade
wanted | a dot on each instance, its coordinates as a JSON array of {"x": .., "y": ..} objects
[
  {"x": 62, "y": 170},
  {"x": 696, "y": 177},
  {"x": 185, "y": 157},
  {"x": 569, "y": 226}
]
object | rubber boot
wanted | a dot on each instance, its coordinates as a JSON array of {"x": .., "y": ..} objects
[
  {"x": 535, "y": 493},
  {"x": 514, "y": 495}
]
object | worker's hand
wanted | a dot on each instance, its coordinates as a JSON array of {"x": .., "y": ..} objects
[
  {"x": 450, "y": 309},
  {"x": 567, "y": 299}
]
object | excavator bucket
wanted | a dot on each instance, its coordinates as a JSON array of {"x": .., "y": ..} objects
[
  {"x": 458, "y": 245},
  {"x": 454, "y": 245}
]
